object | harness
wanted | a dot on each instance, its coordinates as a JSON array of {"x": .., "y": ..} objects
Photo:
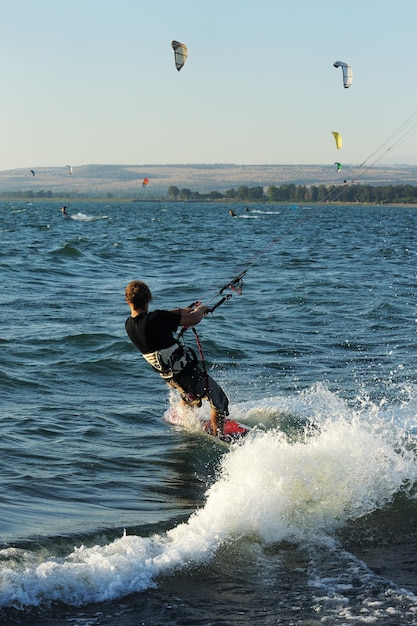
[{"x": 171, "y": 361}]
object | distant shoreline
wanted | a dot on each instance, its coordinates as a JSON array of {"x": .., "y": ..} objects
[{"x": 96, "y": 200}]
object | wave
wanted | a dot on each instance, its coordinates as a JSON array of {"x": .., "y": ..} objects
[{"x": 312, "y": 465}]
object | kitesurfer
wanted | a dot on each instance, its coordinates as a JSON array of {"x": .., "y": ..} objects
[
  {"x": 232, "y": 213},
  {"x": 152, "y": 333},
  {"x": 64, "y": 211}
]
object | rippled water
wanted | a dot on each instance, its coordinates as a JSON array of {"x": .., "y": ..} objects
[{"x": 110, "y": 516}]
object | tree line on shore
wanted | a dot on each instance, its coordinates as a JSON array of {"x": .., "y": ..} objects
[
  {"x": 291, "y": 193},
  {"x": 381, "y": 194}
]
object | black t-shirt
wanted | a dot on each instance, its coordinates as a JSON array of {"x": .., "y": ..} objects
[{"x": 153, "y": 331}]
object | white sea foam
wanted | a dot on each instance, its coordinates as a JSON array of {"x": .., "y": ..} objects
[
  {"x": 82, "y": 217},
  {"x": 343, "y": 464}
]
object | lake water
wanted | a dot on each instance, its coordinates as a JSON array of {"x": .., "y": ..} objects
[{"x": 110, "y": 516}]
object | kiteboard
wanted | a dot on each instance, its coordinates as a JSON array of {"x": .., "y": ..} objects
[{"x": 233, "y": 431}]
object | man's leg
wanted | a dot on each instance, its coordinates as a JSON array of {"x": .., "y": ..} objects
[{"x": 217, "y": 421}]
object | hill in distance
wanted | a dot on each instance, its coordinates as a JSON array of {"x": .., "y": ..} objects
[{"x": 125, "y": 181}]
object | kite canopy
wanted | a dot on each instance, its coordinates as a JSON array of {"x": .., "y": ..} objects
[
  {"x": 145, "y": 182},
  {"x": 338, "y": 166},
  {"x": 180, "y": 52},
  {"x": 338, "y": 139},
  {"x": 347, "y": 73}
]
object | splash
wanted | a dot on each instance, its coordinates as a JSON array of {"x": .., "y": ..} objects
[
  {"x": 82, "y": 217},
  {"x": 343, "y": 464}
]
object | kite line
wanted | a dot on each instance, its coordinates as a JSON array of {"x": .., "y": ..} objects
[{"x": 404, "y": 132}]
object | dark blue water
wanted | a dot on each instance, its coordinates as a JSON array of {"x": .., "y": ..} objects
[{"x": 109, "y": 515}]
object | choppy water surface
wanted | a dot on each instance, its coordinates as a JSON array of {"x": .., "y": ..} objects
[{"x": 110, "y": 516}]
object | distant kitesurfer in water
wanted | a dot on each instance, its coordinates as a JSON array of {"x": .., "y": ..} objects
[
  {"x": 152, "y": 334},
  {"x": 232, "y": 213},
  {"x": 64, "y": 211}
]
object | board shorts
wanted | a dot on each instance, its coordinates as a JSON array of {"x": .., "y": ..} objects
[{"x": 195, "y": 385}]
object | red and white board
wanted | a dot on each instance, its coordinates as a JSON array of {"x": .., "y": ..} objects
[{"x": 232, "y": 430}]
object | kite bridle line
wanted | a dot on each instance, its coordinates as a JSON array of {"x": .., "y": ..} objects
[{"x": 404, "y": 132}]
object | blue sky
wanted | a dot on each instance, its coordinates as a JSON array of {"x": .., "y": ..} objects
[{"x": 94, "y": 81}]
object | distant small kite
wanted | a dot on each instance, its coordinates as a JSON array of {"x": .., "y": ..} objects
[
  {"x": 180, "y": 53},
  {"x": 338, "y": 139},
  {"x": 145, "y": 182},
  {"x": 32, "y": 172},
  {"x": 69, "y": 169},
  {"x": 347, "y": 73},
  {"x": 338, "y": 166}
]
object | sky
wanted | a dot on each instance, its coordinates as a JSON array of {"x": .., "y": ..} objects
[{"x": 94, "y": 81}]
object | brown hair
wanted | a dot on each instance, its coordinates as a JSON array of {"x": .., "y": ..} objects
[{"x": 138, "y": 294}]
